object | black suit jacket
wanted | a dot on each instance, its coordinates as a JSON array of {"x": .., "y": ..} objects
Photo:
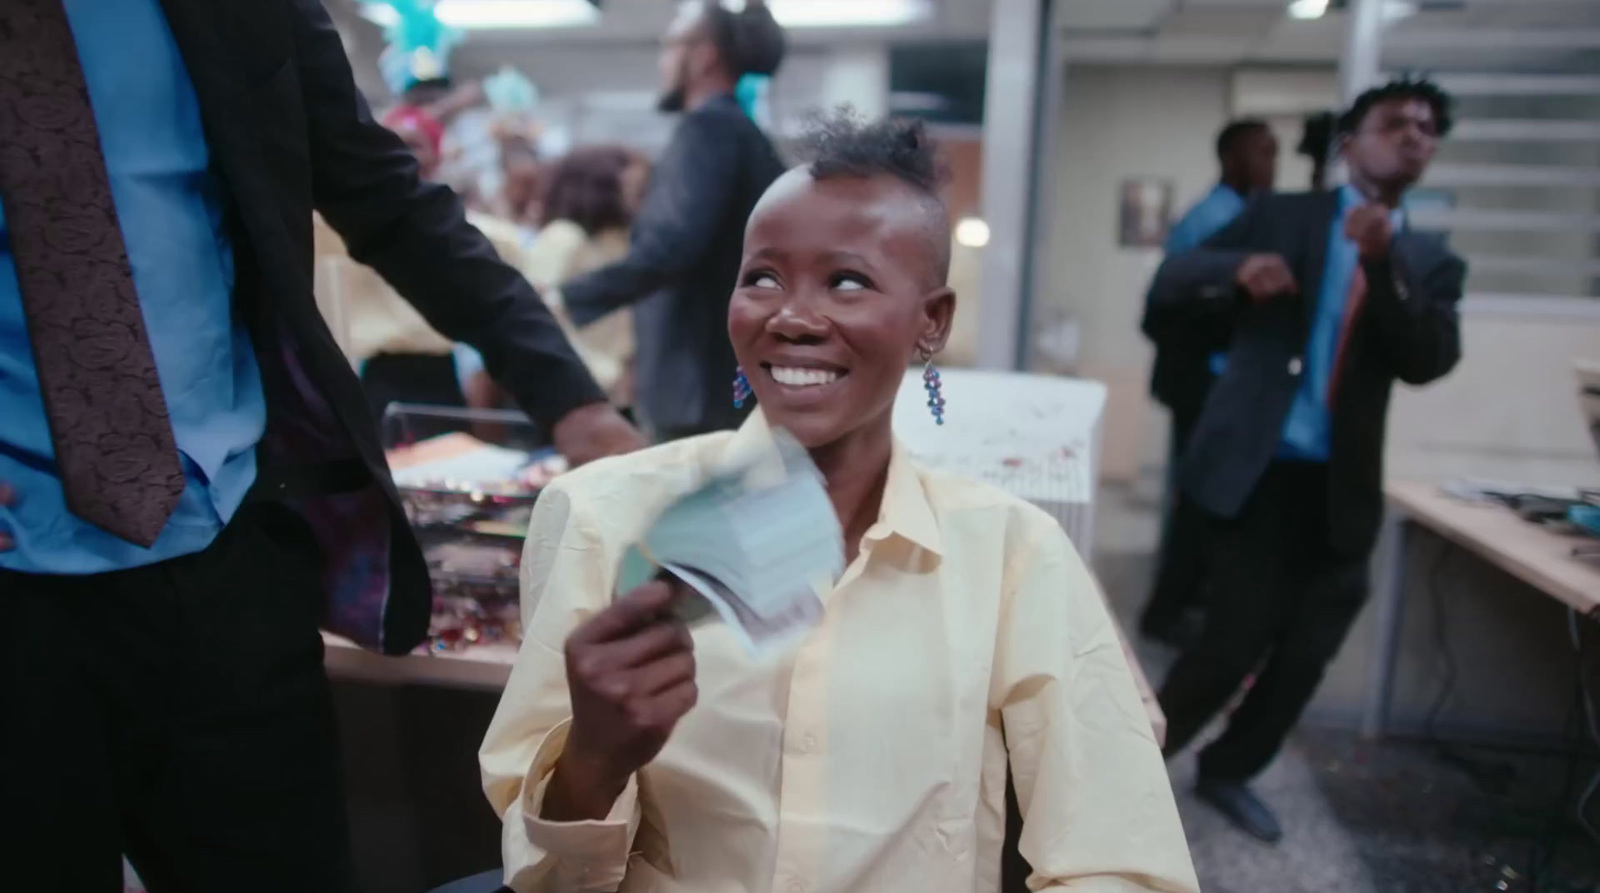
[
  {"x": 288, "y": 133},
  {"x": 1408, "y": 329},
  {"x": 688, "y": 243}
]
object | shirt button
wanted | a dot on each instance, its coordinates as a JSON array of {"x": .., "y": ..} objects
[
  {"x": 808, "y": 744},
  {"x": 1295, "y": 365},
  {"x": 796, "y": 887}
]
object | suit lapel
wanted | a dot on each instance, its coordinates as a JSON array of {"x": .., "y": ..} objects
[{"x": 1324, "y": 207}]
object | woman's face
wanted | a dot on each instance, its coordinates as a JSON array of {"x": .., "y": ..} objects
[{"x": 841, "y": 286}]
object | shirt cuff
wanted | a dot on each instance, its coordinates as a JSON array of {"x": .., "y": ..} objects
[{"x": 589, "y": 855}]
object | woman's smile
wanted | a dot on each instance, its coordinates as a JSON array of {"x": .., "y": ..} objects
[{"x": 803, "y": 383}]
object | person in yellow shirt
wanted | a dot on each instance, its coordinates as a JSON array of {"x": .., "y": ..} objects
[
  {"x": 965, "y": 643},
  {"x": 586, "y": 209}
]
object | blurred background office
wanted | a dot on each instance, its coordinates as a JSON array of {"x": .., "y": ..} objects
[{"x": 1078, "y": 132}]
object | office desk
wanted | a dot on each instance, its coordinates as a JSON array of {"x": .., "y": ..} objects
[{"x": 1493, "y": 533}]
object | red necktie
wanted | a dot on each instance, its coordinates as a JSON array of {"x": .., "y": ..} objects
[
  {"x": 1353, "y": 304},
  {"x": 108, "y": 420}
]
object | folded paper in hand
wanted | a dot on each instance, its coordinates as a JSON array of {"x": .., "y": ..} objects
[{"x": 754, "y": 542}]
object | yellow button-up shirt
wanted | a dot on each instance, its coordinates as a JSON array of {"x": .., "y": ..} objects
[{"x": 872, "y": 756}]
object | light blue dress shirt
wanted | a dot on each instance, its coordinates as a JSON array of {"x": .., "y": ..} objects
[
  {"x": 1207, "y": 218},
  {"x": 1307, "y": 433},
  {"x": 170, "y": 210},
  {"x": 1209, "y": 215}
]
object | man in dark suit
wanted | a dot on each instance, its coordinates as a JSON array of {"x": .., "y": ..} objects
[
  {"x": 1320, "y": 301},
  {"x": 688, "y": 238},
  {"x": 1248, "y": 153},
  {"x": 190, "y": 479}
]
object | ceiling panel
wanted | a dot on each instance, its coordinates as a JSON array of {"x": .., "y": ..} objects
[{"x": 1112, "y": 15}]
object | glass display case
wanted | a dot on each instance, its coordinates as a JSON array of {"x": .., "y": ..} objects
[{"x": 469, "y": 480}]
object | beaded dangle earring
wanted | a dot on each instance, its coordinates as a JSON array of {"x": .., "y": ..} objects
[
  {"x": 930, "y": 383},
  {"x": 741, "y": 389}
]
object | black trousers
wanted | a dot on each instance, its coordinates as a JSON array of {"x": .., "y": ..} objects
[
  {"x": 1180, "y": 568},
  {"x": 1280, "y": 600},
  {"x": 176, "y": 713}
]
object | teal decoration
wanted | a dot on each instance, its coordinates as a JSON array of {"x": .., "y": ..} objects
[
  {"x": 509, "y": 91},
  {"x": 751, "y": 92},
  {"x": 419, "y": 44}
]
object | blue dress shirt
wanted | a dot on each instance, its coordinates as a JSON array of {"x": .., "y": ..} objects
[
  {"x": 1207, "y": 218},
  {"x": 1307, "y": 431},
  {"x": 170, "y": 209},
  {"x": 1209, "y": 215}
]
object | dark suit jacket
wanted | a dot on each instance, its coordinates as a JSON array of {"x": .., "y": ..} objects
[
  {"x": 289, "y": 132},
  {"x": 688, "y": 243},
  {"x": 1408, "y": 330}
]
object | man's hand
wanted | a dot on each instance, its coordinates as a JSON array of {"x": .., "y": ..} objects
[
  {"x": 595, "y": 432},
  {"x": 1370, "y": 228},
  {"x": 1265, "y": 276},
  {"x": 8, "y": 496},
  {"x": 630, "y": 672}
]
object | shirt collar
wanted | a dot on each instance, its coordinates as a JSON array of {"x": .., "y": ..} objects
[
  {"x": 1223, "y": 189},
  {"x": 905, "y": 513},
  {"x": 1350, "y": 197}
]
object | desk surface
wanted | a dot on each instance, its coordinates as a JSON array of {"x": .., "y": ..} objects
[{"x": 1536, "y": 556}]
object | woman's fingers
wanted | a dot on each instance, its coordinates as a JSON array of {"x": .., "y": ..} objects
[{"x": 627, "y": 614}]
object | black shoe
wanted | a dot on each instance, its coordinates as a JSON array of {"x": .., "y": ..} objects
[{"x": 1241, "y": 807}]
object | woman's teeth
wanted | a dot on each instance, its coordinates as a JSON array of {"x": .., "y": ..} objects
[{"x": 803, "y": 378}]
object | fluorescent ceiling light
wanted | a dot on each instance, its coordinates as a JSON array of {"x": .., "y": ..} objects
[
  {"x": 843, "y": 13},
  {"x": 1308, "y": 9},
  {"x": 488, "y": 14},
  {"x": 972, "y": 232}
]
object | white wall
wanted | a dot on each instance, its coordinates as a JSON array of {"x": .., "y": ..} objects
[{"x": 1121, "y": 122}]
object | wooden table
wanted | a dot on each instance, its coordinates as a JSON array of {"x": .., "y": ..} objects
[{"x": 1538, "y": 557}]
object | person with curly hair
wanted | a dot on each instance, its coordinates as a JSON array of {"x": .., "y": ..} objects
[
  {"x": 965, "y": 643},
  {"x": 587, "y": 207}
]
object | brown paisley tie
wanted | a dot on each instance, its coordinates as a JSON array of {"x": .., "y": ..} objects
[{"x": 113, "y": 440}]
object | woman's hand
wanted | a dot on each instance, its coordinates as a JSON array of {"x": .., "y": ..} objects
[{"x": 630, "y": 672}]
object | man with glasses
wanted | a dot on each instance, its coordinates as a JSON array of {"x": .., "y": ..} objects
[{"x": 1319, "y": 302}]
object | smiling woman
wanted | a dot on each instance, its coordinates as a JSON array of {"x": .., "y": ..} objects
[
  {"x": 964, "y": 643},
  {"x": 843, "y": 283}
]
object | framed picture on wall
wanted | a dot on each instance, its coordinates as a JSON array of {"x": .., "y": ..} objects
[{"x": 1144, "y": 212}]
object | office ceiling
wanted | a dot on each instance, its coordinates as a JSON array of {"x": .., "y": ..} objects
[{"x": 1198, "y": 32}]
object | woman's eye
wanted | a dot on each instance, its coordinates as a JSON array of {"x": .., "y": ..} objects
[
  {"x": 849, "y": 283},
  {"x": 761, "y": 280}
]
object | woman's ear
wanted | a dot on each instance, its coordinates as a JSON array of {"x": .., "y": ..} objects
[{"x": 938, "y": 312}]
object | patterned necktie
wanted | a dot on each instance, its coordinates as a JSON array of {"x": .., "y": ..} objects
[{"x": 113, "y": 440}]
